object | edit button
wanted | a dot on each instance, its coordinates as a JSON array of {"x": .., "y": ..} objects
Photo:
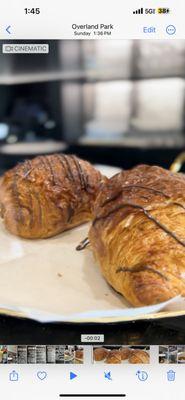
[{"x": 149, "y": 29}]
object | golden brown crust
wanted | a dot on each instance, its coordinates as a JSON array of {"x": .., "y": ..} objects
[
  {"x": 47, "y": 195},
  {"x": 139, "y": 357},
  {"x": 138, "y": 234},
  {"x": 100, "y": 354},
  {"x": 125, "y": 353},
  {"x": 114, "y": 357},
  {"x": 79, "y": 354}
]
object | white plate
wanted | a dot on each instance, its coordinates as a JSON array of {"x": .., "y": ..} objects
[{"x": 48, "y": 280}]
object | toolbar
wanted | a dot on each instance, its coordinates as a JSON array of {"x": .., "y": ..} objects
[
  {"x": 54, "y": 371},
  {"x": 79, "y": 19}
]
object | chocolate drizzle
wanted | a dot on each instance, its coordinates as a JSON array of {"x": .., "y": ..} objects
[
  {"x": 148, "y": 215},
  {"x": 147, "y": 188},
  {"x": 163, "y": 227},
  {"x": 115, "y": 197},
  {"x": 66, "y": 166},
  {"x": 70, "y": 213},
  {"x": 27, "y": 171},
  {"x": 150, "y": 189},
  {"x": 18, "y": 213},
  {"x": 47, "y": 165},
  {"x": 84, "y": 182},
  {"x": 141, "y": 268},
  {"x": 80, "y": 172},
  {"x": 70, "y": 172},
  {"x": 56, "y": 176},
  {"x": 83, "y": 244}
]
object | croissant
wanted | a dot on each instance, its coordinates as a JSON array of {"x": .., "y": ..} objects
[
  {"x": 138, "y": 234},
  {"x": 47, "y": 195},
  {"x": 125, "y": 353},
  {"x": 79, "y": 354},
  {"x": 100, "y": 353},
  {"x": 139, "y": 357},
  {"x": 114, "y": 357}
]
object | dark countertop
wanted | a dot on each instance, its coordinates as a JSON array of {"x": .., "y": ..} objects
[{"x": 22, "y": 331}]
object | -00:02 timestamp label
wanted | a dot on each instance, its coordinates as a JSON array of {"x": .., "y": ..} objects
[{"x": 92, "y": 338}]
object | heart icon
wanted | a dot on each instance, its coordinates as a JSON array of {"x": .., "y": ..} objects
[{"x": 42, "y": 375}]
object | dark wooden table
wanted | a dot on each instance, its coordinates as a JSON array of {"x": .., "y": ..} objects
[{"x": 163, "y": 331}]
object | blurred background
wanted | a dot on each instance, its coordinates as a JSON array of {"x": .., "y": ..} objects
[{"x": 112, "y": 102}]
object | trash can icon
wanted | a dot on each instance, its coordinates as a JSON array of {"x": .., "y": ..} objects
[{"x": 171, "y": 375}]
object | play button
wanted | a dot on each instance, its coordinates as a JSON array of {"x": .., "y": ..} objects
[{"x": 72, "y": 375}]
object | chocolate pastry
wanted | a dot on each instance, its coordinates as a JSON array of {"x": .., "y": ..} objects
[
  {"x": 79, "y": 354},
  {"x": 114, "y": 357},
  {"x": 139, "y": 357},
  {"x": 125, "y": 353},
  {"x": 45, "y": 196},
  {"x": 100, "y": 354},
  {"x": 138, "y": 234}
]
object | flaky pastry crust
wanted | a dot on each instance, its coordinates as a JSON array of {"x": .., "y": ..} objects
[
  {"x": 139, "y": 357},
  {"x": 100, "y": 353},
  {"x": 138, "y": 234},
  {"x": 46, "y": 195},
  {"x": 114, "y": 357}
]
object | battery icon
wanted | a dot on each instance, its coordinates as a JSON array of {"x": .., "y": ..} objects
[{"x": 162, "y": 10}]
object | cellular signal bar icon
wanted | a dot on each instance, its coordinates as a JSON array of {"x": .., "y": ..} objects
[{"x": 139, "y": 11}]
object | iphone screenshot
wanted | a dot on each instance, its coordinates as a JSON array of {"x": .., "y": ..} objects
[{"x": 92, "y": 199}]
